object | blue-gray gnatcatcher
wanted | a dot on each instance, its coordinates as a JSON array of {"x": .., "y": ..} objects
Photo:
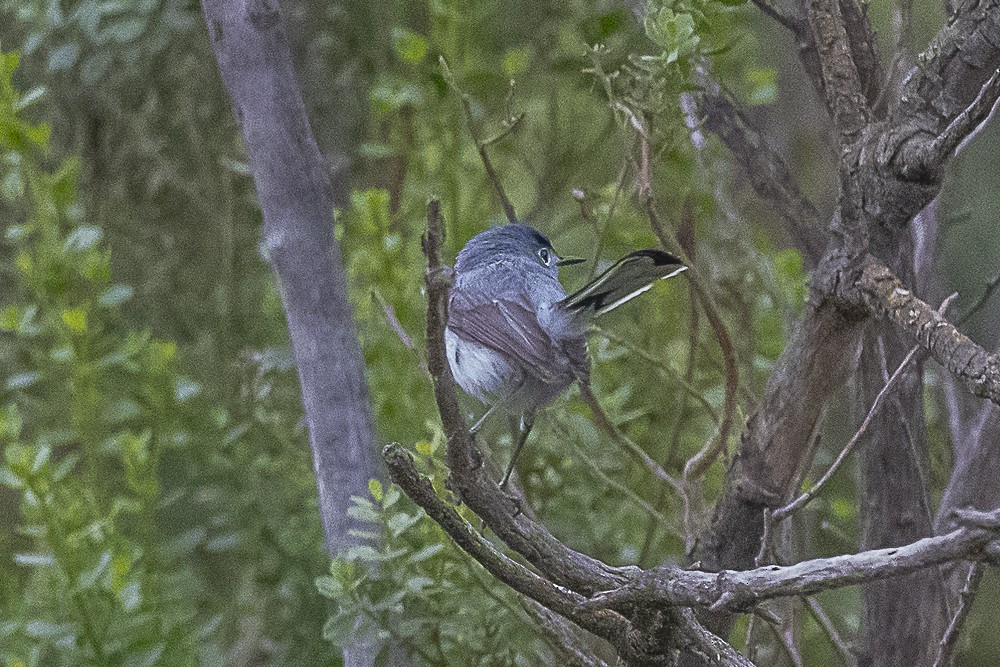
[{"x": 514, "y": 339}]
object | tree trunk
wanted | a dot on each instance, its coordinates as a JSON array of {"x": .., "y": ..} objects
[
  {"x": 898, "y": 614},
  {"x": 297, "y": 201}
]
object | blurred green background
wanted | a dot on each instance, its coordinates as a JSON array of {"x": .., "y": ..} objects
[{"x": 157, "y": 499}]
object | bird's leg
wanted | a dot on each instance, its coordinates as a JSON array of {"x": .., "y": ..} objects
[
  {"x": 479, "y": 423},
  {"x": 527, "y": 421}
]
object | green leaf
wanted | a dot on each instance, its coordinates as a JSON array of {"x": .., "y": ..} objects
[
  {"x": 409, "y": 46},
  {"x": 363, "y": 553},
  {"x": 23, "y": 380},
  {"x": 35, "y": 559},
  {"x": 375, "y": 488},
  {"x": 516, "y": 61},
  {"x": 185, "y": 388},
  {"x": 398, "y": 523},
  {"x": 418, "y": 584},
  {"x": 10, "y": 480},
  {"x": 124, "y": 30},
  {"x": 75, "y": 319},
  {"x": 329, "y": 587},
  {"x": 47, "y": 630},
  {"x": 89, "y": 577},
  {"x": 763, "y": 86},
  {"x": 426, "y": 552}
]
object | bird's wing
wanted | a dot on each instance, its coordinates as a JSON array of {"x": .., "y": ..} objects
[{"x": 508, "y": 326}]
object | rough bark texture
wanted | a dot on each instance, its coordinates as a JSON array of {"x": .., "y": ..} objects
[
  {"x": 297, "y": 201},
  {"x": 894, "y": 501}
]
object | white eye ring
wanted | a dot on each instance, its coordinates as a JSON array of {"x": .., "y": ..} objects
[{"x": 543, "y": 253}]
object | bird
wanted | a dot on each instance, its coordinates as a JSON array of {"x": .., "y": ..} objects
[{"x": 514, "y": 339}]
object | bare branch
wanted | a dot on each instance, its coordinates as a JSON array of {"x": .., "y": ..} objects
[
  {"x": 885, "y": 295},
  {"x": 769, "y": 176},
  {"x": 845, "y": 99},
  {"x": 700, "y": 462},
  {"x": 966, "y": 122},
  {"x": 804, "y": 499},
  {"x": 561, "y": 600},
  {"x": 785, "y": 21},
  {"x": 562, "y": 637},
  {"x": 864, "y": 51},
  {"x": 712, "y": 648},
  {"x": 742, "y": 590},
  {"x": 623, "y": 441},
  {"x": 991, "y": 286},
  {"x": 955, "y": 74},
  {"x": 481, "y": 144},
  {"x": 825, "y": 622}
]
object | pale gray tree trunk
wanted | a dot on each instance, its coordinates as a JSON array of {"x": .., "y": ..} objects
[{"x": 297, "y": 200}]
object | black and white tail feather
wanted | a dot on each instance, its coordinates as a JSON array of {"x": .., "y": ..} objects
[{"x": 624, "y": 280}]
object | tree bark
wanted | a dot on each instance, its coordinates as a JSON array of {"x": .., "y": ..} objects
[{"x": 297, "y": 201}]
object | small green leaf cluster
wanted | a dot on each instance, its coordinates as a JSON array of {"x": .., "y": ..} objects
[{"x": 410, "y": 588}]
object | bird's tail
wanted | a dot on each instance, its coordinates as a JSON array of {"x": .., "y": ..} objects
[{"x": 629, "y": 277}]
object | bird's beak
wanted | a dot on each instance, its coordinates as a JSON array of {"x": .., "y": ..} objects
[{"x": 569, "y": 261}]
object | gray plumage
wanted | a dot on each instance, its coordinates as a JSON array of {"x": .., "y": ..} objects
[{"x": 514, "y": 338}]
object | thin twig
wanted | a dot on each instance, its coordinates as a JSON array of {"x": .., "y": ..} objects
[
  {"x": 690, "y": 389},
  {"x": 481, "y": 145},
  {"x": 804, "y": 499},
  {"x": 612, "y": 431},
  {"x": 700, "y": 462},
  {"x": 772, "y": 11},
  {"x": 946, "y": 648},
  {"x": 397, "y": 327},
  {"x": 826, "y": 623},
  {"x": 595, "y": 468},
  {"x": 797, "y": 504},
  {"x": 991, "y": 286}
]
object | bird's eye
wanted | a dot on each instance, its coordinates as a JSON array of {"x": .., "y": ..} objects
[{"x": 543, "y": 253}]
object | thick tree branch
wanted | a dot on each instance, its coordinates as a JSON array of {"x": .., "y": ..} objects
[
  {"x": 968, "y": 361},
  {"x": 845, "y": 98},
  {"x": 955, "y": 71},
  {"x": 741, "y": 590},
  {"x": 296, "y": 198}
]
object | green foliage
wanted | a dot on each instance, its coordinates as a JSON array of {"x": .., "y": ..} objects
[
  {"x": 128, "y": 482},
  {"x": 422, "y": 595}
]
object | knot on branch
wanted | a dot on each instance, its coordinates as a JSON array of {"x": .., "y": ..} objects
[{"x": 440, "y": 277}]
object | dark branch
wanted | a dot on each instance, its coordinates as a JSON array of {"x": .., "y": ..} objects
[
  {"x": 769, "y": 176},
  {"x": 965, "y": 123},
  {"x": 481, "y": 144},
  {"x": 561, "y": 600},
  {"x": 946, "y": 648},
  {"x": 845, "y": 98}
]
